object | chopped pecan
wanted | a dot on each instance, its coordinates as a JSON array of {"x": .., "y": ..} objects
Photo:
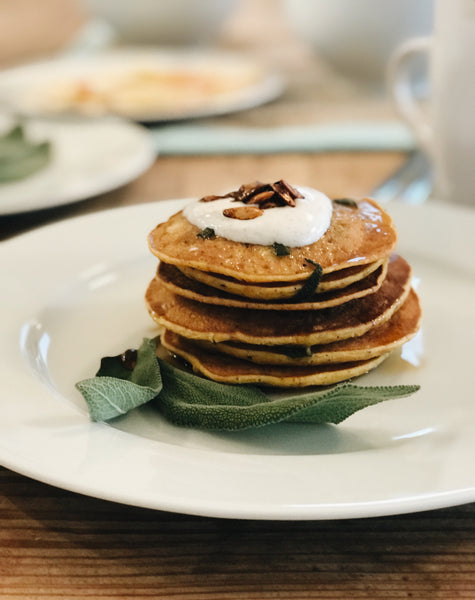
[
  {"x": 270, "y": 195},
  {"x": 243, "y": 213},
  {"x": 287, "y": 192},
  {"x": 264, "y": 195}
]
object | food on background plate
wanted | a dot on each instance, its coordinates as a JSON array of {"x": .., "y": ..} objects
[
  {"x": 278, "y": 285},
  {"x": 143, "y": 89}
]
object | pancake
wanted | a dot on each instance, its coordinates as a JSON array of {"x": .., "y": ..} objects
[
  {"x": 228, "y": 369},
  {"x": 399, "y": 329},
  {"x": 358, "y": 235},
  {"x": 174, "y": 280},
  {"x": 197, "y": 320},
  {"x": 238, "y": 298},
  {"x": 274, "y": 291}
]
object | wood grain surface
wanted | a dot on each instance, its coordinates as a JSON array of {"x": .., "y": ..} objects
[{"x": 56, "y": 544}]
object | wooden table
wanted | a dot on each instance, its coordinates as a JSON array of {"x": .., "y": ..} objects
[
  {"x": 58, "y": 544},
  {"x": 55, "y": 544}
]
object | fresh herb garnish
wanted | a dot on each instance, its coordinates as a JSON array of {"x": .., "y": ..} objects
[
  {"x": 192, "y": 401},
  {"x": 19, "y": 157},
  {"x": 280, "y": 249},
  {"x": 116, "y": 389},
  {"x": 346, "y": 202},
  {"x": 309, "y": 288},
  {"x": 207, "y": 233}
]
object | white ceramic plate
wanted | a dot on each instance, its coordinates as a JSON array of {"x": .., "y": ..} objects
[
  {"x": 89, "y": 157},
  {"x": 35, "y": 88},
  {"x": 73, "y": 292}
]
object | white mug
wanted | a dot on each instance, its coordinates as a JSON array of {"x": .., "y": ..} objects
[{"x": 445, "y": 130}]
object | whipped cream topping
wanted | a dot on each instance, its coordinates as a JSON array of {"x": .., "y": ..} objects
[{"x": 292, "y": 226}]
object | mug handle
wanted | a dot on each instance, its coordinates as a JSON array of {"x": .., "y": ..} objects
[{"x": 402, "y": 90}]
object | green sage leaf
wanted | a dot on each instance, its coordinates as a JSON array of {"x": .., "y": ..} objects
[
  {"x": 309, "y": 288},
  {"x": 346, "y": 202},
  {"x": 281, "y": 249},
  {"x": 19, "y": 157},
  {"x": 115, "y": 390},
  {"x": 207, "y": 233},
  {"x": 195, "y": 402},
  {"x": 340, "y": 402},
  {"x": 192, "y": 401}
]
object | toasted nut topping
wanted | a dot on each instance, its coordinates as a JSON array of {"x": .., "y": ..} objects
[
  {"x": 243, "y": 213},
  {"x": 264, "y": 195},
  {"x": 261, "y": 197},
  {"x": 287, "y": 192}
]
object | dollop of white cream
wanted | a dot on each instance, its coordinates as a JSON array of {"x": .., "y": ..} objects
[{"x": 292, "y": 226}]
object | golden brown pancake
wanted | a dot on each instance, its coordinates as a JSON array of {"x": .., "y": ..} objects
[
  {"x": 400, "y": 328},
  {"x": 197, "y": 320},
  {"x": 174, "y": 280},
  {"x": 275, "y": 291},
  {"x": 357, "y": 236},
  {"x": 276, "y": 315},
  {"x": 228, "y": 369}
]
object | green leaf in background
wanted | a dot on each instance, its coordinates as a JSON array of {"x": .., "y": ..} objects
[
  {"x": 116, "y": 389},
  {"x": 191, "y": 401},
  {"x": 15, "y": 134},
  {"x": 19, "y": 157}
]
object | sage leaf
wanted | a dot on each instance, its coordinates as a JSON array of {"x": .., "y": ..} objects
[
  {"x": 346, "y": 202},
  {"x": 115, "y": 390},
  {"x": 309, "y": 288},
  {"x": 185, "y": 399},
  {"x": 280, "y": 249},
  {"x": 19, "y": 157},
  {"x": 340, "y": 402},
  {"x": 192, "y": 401},
  {"x": 207, "y": 233},
  {"x": 195, "y": 402}
]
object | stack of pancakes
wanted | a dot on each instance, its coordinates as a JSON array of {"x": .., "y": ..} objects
[{"x": 311, "y": 315}]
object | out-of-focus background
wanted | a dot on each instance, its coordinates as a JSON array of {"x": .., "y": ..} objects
[
  {"x": 332, "y": 54},
  {"x": 205, "y": 78}
]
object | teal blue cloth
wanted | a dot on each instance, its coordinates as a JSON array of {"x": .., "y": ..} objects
[{"x": 204, "y": 138}]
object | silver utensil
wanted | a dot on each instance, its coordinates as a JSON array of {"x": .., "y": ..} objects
[{"x": 411, "y": 183}]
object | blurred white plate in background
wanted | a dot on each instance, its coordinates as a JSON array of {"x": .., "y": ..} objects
[{"x": 89, "y": 157}]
